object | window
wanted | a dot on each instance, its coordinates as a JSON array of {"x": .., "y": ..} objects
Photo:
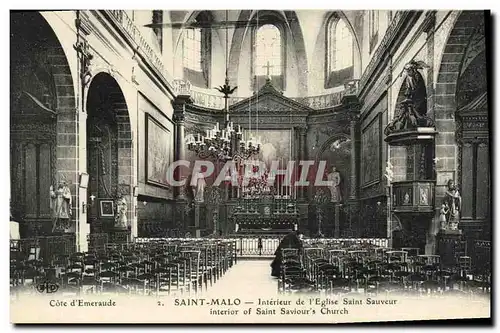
[
  {"x": 339, "y": 56},
  {"x": 196, "y": 52},
  {"x": 192, "y": 49},
  {"x": 158, "y": 19},
  {"x": 268, "y": 51},
  {"x": 341, "y": 52}
]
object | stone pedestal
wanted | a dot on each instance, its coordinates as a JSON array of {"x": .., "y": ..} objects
[
  {"x": 119, "y": 235},
  {"x": 450, "y": 247}
]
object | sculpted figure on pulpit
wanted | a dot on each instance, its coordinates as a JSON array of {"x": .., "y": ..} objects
[
  {"x": 412, "y": 111},
  {"x": 334, "y": 179}
]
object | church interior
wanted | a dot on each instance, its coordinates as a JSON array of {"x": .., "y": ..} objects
[{"x": 149, "y": 140}]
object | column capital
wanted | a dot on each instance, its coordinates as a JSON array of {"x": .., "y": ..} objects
[
  {"x": 179, "y": 117},
  {"x": 353, "y": 116},
  {"x": 180, "y": 101},
  {"x": 302, "y": 129}
]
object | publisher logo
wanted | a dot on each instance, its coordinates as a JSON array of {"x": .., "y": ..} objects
[{"x": 48, "y": 287}]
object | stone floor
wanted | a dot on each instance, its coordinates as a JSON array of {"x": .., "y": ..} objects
[{"x": 247, "y": 277}]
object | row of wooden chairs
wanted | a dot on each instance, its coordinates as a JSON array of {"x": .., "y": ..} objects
[
  {"x": 370, "y": 269},
  {"x": 157, "y": 267}
]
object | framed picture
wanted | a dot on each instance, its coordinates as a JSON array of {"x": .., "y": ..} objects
[
  {"x": 371, "y": 154},
  {"x": 84, "y": 180},
  {"x": 106, "y": 208},
  {"x": 158, "y": 152}
]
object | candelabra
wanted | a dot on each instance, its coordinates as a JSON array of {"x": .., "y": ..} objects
[{"x": 224, "y": 142}]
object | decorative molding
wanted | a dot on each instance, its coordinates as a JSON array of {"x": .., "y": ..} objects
[
  {"x": 429, "y": 22},
  {"x": 82, "y": 23},
  {"x": 137, "y": 41},
  {"x": 268, "y": 100}
]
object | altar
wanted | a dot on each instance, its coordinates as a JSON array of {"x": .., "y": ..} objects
[{"x": 266, "y": 213}]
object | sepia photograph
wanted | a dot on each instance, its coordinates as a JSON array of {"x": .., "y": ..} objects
[{"x": 243, "y": 166}]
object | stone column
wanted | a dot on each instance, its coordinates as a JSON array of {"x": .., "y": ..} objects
[
  {"x": 429, "y": 25},
  {"x": 179, "y": 104},
  {"x": 353, "y": 203},
  {"x": 302, "y": 156},
  {"x": 354, "y": 161}
]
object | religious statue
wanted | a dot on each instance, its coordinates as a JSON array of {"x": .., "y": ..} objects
[
  {"x": 121, "y": 213},
  {"x": 334, "y": 179},
  {"x": 198, "y": 186},
  {"x": 406, "y": 200},
  {"x": 454, "y": 201},
  {"x": 60, "y": 205},
  {"x": 442, "y": 216},
  {"x": 424, "y": 200}
]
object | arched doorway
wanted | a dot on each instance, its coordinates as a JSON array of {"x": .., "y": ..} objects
[
  {"x": 461, "y": 113},
  {"x": 109, "y": 158},
  {"x": 336, "y": 153},
  {"x": 42, "y": 113},
  {"x": 473, "y": 148}
]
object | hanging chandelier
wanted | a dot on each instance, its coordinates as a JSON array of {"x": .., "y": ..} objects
[{"x": 225, "y": 142}]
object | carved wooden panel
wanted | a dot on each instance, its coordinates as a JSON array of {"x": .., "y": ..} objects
[
  {"x": 30, "y": 180},
  {"x": 45, "y": 179},
  {"x": 467, "y": 181},
  {"x": 482, "y": 182}
]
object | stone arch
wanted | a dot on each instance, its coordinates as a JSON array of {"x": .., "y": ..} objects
[
  {"x": 110, "y": 149},
  {"x": 44, "y": 120},
  {"x": 446, "y": 87},
  {"x": 342, "y": 151},
  {"x": 329, "y": 142}
]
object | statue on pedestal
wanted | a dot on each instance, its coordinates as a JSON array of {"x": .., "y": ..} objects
[
  {"x": 453, "y": 199},
  {"x": 198, "y": 185},
  {"x": 443, "y": 222},
  {"x": 60, "y": 205},
  {"x": 334, "y": 178},
  {"x": 121, "y": 213}
]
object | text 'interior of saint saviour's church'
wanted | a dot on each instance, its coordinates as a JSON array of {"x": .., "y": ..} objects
[{"x": 384, "y": 114}]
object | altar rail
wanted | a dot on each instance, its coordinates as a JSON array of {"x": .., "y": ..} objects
[{"x": 265, "y": 246}]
